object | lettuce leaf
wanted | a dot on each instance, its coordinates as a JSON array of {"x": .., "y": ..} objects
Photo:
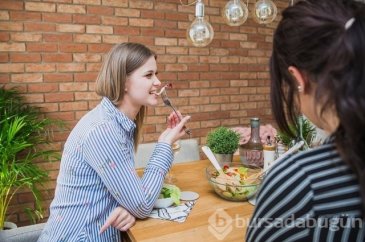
[{"x": 171, "y": 191}]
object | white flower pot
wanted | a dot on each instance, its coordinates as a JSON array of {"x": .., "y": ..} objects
[{"x": 224, "y": 159}]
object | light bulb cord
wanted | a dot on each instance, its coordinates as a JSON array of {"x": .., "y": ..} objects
[{"x": 189, "y": 4}]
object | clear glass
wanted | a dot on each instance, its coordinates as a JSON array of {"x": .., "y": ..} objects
[
  {"x": 265, "y": 11},
  {"x": 170, "y": 178},
  {"x": 200, "y": 33},
  {"x": 235, "y": 13},
  {"x": 251, "y": 153}
]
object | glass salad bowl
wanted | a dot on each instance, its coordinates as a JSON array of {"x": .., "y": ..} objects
[{"x": 238, "y": 183}]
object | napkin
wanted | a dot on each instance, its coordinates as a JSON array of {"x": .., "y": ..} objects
[{"x": 178, "y": 213}]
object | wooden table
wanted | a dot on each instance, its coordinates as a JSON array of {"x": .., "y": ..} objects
[{"x": 211, "y": 219}]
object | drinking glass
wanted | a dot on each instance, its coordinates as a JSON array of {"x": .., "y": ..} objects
[{"x": 170, "y": 178}]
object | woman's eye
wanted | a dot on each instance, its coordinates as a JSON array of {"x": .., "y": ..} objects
[{"x": 149, "y": 75}]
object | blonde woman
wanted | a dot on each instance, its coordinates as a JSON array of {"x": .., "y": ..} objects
[{"x": 97, "y": 185}]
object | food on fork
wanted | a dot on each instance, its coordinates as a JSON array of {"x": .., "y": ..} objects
[
  {"x": 168, "y": 85},
  {"x": 167, "y": 102}
]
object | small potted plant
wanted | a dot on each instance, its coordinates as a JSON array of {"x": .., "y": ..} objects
[
  {"x": 303, "y": 129},
  {"x": 23, "y": 130},
  {"x": 223, "y": 142}
]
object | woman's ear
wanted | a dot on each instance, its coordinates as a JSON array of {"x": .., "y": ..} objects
[
  {"x": 298, "y": 77},
  {"x": 126, "y": 85}
]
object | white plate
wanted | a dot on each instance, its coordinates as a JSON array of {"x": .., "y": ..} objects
[
  {"x": 189, "y": 196},
  {"x": 163, "y": 202}
]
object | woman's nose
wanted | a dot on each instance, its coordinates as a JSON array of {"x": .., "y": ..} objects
[{"x": 156, "y": 82}]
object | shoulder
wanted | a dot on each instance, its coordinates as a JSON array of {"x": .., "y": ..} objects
[
  {"x": 319, "y": 174},
  {"x": 98, "y": 126},
  {"x": 105, "y": 131},
  {"x": 306, "y": 161},
  {"x": 294, "y": 175}
]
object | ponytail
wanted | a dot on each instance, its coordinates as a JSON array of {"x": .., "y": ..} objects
[{"x": 350, "y": 101}]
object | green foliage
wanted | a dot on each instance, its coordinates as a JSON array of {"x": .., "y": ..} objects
[
  {"x": 22, "y": 133},
  {"x": 223, "y": 140},
  {"x": 303, "y": 128},
  {"x": 169, "y": 190}
]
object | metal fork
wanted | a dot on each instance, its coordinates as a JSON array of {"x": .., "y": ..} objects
[{"x": 167, "y": 102}]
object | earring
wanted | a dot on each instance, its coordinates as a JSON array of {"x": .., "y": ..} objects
[{"x": 300, "y": 89}]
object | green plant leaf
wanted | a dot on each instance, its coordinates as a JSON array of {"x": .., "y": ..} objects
[
  {"x": 23, "y": 129},
  {"x": 223, "y": 140},
  {"x": 303, "y": 129}
]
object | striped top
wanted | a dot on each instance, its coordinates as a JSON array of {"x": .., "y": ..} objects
[
  {"x": 311, "y": 196},
  {"x": 97, "y": 174}
]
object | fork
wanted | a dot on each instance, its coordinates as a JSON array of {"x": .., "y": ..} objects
[{"x": 167, "y": 102}]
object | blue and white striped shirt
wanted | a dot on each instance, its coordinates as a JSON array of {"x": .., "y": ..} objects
[{"x": 97, "y": 175}]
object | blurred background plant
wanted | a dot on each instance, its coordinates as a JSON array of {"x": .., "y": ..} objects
[
  {"x": 303, "y": 129},
  {"x": 24, "y": 137},
  {"x": 265, "y": 131}
]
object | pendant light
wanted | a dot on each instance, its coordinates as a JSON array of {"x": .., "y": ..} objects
[
  {"x": 265, "y": 11},
  {"x": 200, "y": 33},
  {"x": 235, "y": 13}
]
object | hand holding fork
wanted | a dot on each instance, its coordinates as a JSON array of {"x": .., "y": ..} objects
[{"x": 167, "y": 102}]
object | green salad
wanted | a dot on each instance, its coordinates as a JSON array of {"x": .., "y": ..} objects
[
  {"x": 233, "y": 183},
  {"x": 171, "y": 191}
]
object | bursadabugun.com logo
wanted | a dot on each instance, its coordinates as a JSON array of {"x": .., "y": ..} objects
[{"x": 221, "y": 223}]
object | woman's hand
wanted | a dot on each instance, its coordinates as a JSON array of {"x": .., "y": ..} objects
[
  {"x": 175, "y": 128},
  {"x": 120, "y": 219}
]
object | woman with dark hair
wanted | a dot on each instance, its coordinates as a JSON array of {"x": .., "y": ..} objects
[
  {"x": 317, "y": 69},
  {"x": 98, "y": 190}
]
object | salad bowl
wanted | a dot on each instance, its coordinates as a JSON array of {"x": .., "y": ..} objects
[
  {"x": 234, "y": 182},
  {"x": 163, "y": 202},
  {"x": 169, "y": 195}
]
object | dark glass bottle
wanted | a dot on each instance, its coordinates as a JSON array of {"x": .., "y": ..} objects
[{"x": 251, "y": 153}]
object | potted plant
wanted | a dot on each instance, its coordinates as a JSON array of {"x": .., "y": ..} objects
[
  {"x": 223, "y": 142},
  {"x": 303, "y": 129},
  {"x": 23, "y": 131}
]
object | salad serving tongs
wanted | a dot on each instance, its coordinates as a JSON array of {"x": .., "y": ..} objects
[{"x": 208, "y": 152}]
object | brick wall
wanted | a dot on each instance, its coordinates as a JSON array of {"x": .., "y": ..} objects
[{"x": 52, "y": 50}]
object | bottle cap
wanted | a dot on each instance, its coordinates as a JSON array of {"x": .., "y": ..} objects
[{"x": 255, "y": 122}]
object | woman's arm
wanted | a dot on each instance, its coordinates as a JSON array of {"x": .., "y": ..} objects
[{"x": 110, "y": 153}]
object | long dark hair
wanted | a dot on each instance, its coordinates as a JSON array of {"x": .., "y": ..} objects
[{"x": 313, "y": 38}]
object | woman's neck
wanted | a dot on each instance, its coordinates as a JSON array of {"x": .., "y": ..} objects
[
  {"x": 330, "y": 121},
  {"x": 129, "y": 109}
]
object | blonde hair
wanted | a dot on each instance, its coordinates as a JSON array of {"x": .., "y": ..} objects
[{"x": 119, "y": 63}]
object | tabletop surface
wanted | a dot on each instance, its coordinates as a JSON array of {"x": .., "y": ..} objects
[{"x": 211, "y": 219}]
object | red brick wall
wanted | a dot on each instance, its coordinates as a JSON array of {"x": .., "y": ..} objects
[{"x": 53, "y": 49}]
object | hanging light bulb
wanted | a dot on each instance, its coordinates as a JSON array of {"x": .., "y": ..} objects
[
  {"x": 200, "y": 33},
  {"x": 235, "y": 13},
  {"x": 265, "y": 11}
]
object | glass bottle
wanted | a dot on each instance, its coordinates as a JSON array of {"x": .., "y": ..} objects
[
  {"x": 251, "y": 153},
  {"x": 269, "y": 152}
]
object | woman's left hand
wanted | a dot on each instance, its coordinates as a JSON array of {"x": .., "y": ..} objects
[{"x": 120, "y": 219}]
